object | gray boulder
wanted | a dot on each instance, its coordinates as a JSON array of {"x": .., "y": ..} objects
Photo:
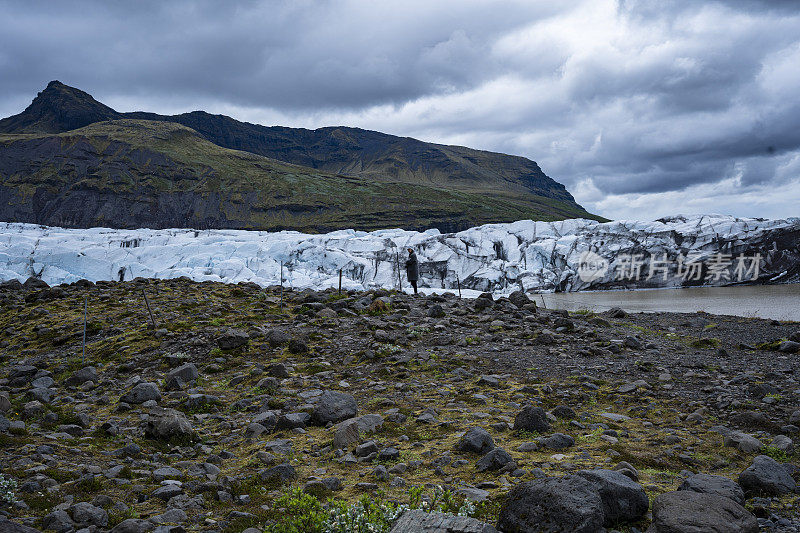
[
  {"x": 133, "y": 525},
  {"x": 278, "y": 473},
  {"x": 85, "y": 514},
  {"x": 519, "y": 298},
  {"x": 532, "y": 418},
  {"x": 232, "y": 339},
  {"x": 552, "y": 505},
  {"x": 80, "y": 377},
  {"x": 5, "y": 402},
  {"x": 624, "y": 500},
  {"x": 687, "y": 511},
  {"x": 766, "y": 476},
  {"x": 58, "y": 521},
  {"x": 557, "y": 441},
  {"x": 789, "y": 347},
  {"x": 142, "y": 392},
  {"x": 350, "y": 432},
  {"x": 494, "y": 460},
  {"x": 277, "y": 337},
  {"x": 711, "y": 484},
  {"x": 334, "y": 407},
  {"x": 185, "y": 374},
  {"x": 564, "y": 412},
  {"x": 293, "y": 420},
  {"x": 168, "y": 424},
  {"x": 418, "y": 521},
  {"x": 475, "y": 440}
]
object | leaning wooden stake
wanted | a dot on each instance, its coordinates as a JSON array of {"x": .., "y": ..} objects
[
  {"x": 340, "y": 281},
  {"x": 85, "y": 306},
  {"x": 281, "y": 285},
  {"x": 399, "y": 277},
  {"x": 458, "y": 282},
  {"x": 150, "y": 311}
]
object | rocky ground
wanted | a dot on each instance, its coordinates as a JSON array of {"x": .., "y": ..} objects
[{"x": 231, "y": 409}]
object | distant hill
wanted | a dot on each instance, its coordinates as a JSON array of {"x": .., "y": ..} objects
[{"x": 70, "y": 160}]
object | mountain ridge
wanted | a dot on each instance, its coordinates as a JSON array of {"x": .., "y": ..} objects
[{"x": 38, "y": 151}]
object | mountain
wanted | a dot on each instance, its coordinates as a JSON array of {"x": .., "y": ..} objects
[
  {"x": 57, "y": 109},
  {"x": 70, "y": 160}
]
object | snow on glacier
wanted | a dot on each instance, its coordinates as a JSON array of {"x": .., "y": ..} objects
[{"x": 495, "y": 257}]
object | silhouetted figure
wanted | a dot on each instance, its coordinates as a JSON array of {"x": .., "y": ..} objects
[{"x": 412, "y": 269}]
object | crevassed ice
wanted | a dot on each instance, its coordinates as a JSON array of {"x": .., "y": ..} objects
[{"x": 495, "y": 257}]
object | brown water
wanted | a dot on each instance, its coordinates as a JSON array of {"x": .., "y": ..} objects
[{"x": 779, "y": 302}]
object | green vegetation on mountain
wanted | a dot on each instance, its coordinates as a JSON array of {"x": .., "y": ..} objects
[{"x": 69, "y": 160}]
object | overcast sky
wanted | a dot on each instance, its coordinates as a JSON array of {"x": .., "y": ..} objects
[{"x": 641, "y": 108}]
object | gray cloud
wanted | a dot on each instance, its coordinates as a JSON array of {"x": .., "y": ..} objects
[{"x": 621, "y": 101}]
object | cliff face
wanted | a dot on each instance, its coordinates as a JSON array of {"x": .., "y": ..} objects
[
  {"x": 70, "y": 160},
  {"x": 129, "y": 174}
]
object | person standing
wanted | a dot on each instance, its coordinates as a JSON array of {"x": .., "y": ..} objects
[{"x": 412, "y": 269}]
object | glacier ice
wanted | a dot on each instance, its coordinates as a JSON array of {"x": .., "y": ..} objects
[{"x": 533, "y": 256}]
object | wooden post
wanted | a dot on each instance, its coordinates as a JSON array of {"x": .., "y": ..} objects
[
  {"x": 281, "y": 285},
  {"x": 85, "y": 306},
  {"x": 150, "y": 311},
  {"x": 458, "y": 282},
  {"x": 399, "y": 277},
  {"x": 340, "y": 281}
]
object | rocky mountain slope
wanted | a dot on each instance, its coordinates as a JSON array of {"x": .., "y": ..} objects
[
  {"x": 448, "y": 187},
  {"x": 500, "y": 258},
  {"x": 235, "y": 407},
  {"x": 131, "y": 173}
]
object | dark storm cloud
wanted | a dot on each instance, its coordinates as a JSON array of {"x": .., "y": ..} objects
[
  {"x": 673, "y": 100},
  {"x": 279, "y": 54}
]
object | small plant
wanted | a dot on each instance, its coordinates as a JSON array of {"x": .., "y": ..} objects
[
  {"x": 7, "y": 488},
  {"x": 594, "y": 436},
  {"x": 385, "y": 350},
  {"x": 779, "y": 455}
]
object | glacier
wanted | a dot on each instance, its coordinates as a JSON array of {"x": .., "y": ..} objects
[{"x": 500, "y": 258}]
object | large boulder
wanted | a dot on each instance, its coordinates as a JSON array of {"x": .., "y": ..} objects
[
  {"x": 168, "y": 424},
  {"x": 58, "y": 521},
  {"x": 557, "y": 441},
  {"x": 418, "y": 521},
  {"x": 766, "y": 476},
  {"x": 495, "y": 459},
  {"x": 334, "y": 407},
  {"x": 475, "y": 440},
  {"x": 277, "y": 337},
  {"x": 552, "y": 505},
  {"x": 350, "y": 432},
  {"x": 711, "y": 484},
  {"x": 232, "y": 339},
  {"x": 278, "y": 474},
  {"x": 88, "y": 373},
  {"x": 687, "y": 511},
  {"x": 85, "y": 514},
  {"x": 5, "y": 402},
  {"x": 142, "y": 392},
  {"x": 133, "y": 525},
  {"x": 184, "y": 374},
  {"x": 533, "y": 419},
  {"x": 624, "y": 500},
  {"x": 519, "y": 298}
]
